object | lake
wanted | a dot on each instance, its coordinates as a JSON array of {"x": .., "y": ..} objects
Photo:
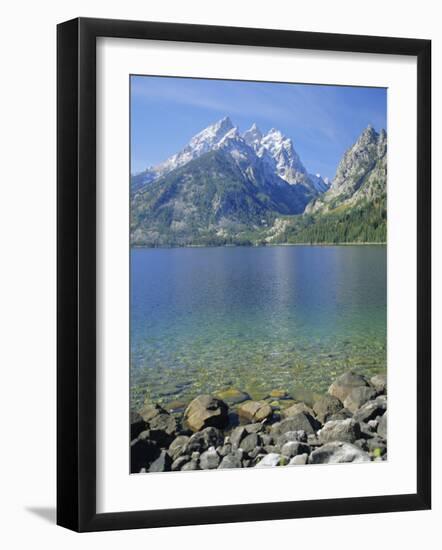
[{"x": 257, "y": 318}]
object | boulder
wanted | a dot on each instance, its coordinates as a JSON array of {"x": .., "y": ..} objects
[
  {"x": 340, "y": 415},
  {"x": 255, "y": 411},
  {"x": 210, "y": 459},
  {"x": 232, "y": 460},
  {"x": 358, "y": 397},
  {"x": 161, "y": 464},
  {"x": 237, "y": 435},
  {"x": 343, "y": 385},
  {"x": 178, "y": 463},
  {"x": 326, "y": 406},
  {"x": 299, "y": 435},
  {"x": 293, "y": 448},
  {"x": 201, "y": 441},
  {"x": 269, "y": 461},
  {"x": 205, "y": 411},
  {"x": 162, "y": 428},
  {"x": 254, "y": 428},
  {"x": 301, "y": 421},
  {"x": 232, "y": 396},
  {"x": 191, "y": 465},
  {"x": 340, "y": 430},
  {"x": 249, "y": 442},
  {"x": 377, "y": 446},
  {"x": 178, "y": 446},
  {"x": 379, "y": 382},
  {"x": 382, "y": 426},
  {"x": 337, "y": 452},
  {"x": 371, "y": 410},
  {"x": 297, "y": 408},
  {"x": 150, "y": 410},
  {"x": 278, "y": 394},
  {"x": 299, "y": 460}
]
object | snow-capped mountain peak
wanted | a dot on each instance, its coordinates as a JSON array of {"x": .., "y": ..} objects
[{"x": 253, "y": 136}]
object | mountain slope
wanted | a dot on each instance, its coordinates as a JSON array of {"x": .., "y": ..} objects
[{"x": 212, "y": 199}]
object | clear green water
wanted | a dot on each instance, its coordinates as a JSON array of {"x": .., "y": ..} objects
[{"x": 259, "y": 319}]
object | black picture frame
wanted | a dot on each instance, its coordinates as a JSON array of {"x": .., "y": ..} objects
[{"x": 77, "y": 287}]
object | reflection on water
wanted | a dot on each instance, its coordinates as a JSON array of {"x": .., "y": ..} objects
[{"x": 256, "y": 318}]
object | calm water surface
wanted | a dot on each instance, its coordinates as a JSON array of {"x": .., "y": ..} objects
[{"x": 259, "y": 319}]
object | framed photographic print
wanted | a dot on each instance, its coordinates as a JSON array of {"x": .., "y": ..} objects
[{"x": 243, "y": 274}]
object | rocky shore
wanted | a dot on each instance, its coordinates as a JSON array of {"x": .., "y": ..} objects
[{"x": 230, "y": 430}]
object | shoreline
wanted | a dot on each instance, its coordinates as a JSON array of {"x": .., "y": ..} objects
[
  {"x": 269, "y": 245},
  {"x": 228, "y": 429}
]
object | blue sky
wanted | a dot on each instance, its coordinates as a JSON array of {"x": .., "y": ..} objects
[{"x": 323, "y": 121}]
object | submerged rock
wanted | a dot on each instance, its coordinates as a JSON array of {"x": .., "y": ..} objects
[
  {"x": 232, "y": 396},
  {"x": 205, "y": 411}
]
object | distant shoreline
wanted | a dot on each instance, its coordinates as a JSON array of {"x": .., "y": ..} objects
[{"x": 269, "y": 245}]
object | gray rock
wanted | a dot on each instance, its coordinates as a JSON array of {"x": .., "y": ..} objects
[
  {"x": 343, "y": 385},
  {"x": 255, "y": 452},
  {"x": 237, "y": 435},
  {"x": 162, "y": 464},
  {"x": 210, "y": 459},
  {"x": 269, "y": 461},
  {"x": 300, "y": 421},
  {"x": 224, "y": 450},
  {"x": 337, "y": 452},
  {"x": 178, "y": 446},
  {"x": 358, "y": 397},
  {"x": 162, "y": 428},
  {"x": 179, "y": 462},
  {"x": 205, "y": 411},
  {"x": 340, "y": 415},
  {"x": 291, "y": 436},
  {"x": 371, "y": 409},
  {"x": 340, "y": 430},
  {"x": 326, "y": 406},
  {"x": 249, "y": 442},
  {"x": 299, "y": 460},
  {"x": 379, "y": 382},
  {"x": 293, "y": 448},
  {"x": 254, "y": 428},
  {"x": 362, "y": 444},
  {"x": 201, "y": 441},
  {"x": 231, "y": 461},
  {"x": 382, "y": 426},
  {"x": 266, "y": 439},
  {"x": 189, "y": 466}
]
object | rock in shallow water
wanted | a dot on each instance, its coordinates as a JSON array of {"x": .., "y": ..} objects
[
  {"x": 232, "y": 396},
  {"x": 343, "y": 385},
  {"x": 205, "y": 411},
  {"x": 255, "y": 411},
  {"x": 337, "y": 452}
]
